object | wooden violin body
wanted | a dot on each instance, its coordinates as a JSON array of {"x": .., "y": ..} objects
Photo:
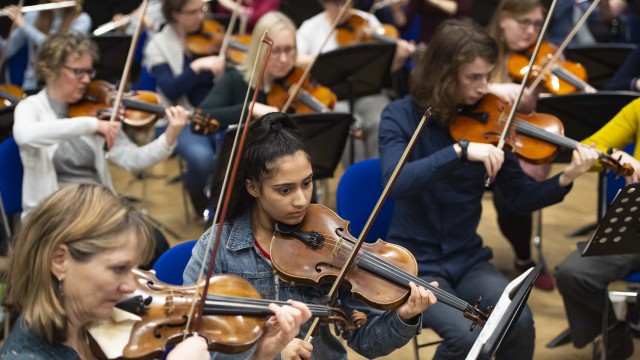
[
  {"x": 238, "y": 47},
  {"x": 566, "y": 76},
  {"x": 207, "y": 40},
  {"x": 99, "y": 97},
  {"x": 10, "y": 95},
  {"x": 311, "y": 98},
  {"x": 357, "y": 30}
]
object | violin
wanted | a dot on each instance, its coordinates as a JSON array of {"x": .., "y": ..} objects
[
  {"x": 356, "y": 30},
  {"x": 141, "y": 108},
  {"x": 565, "y": 77},
  {"x": 10, "y": 95},
  {"x": 315, "y": 250},
  {"x": 535, "y": 137},
  {"x": 233, "y": 320},
  {"x": 207, "y": 40},
  {"x": 311, "y": 97},
  {"x": 238, "y": 47}
]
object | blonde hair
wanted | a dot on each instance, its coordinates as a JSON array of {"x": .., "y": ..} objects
[
  {"x": 272, "y": 22},
  {"x": 88, "y": 219},
  {"x": 508, "y": 8},
  {"x": 55, "y": 50}
]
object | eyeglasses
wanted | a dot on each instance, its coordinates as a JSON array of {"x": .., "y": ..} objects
[
  {"x": 525, "y": 23},
  {"x": 193, "y": 12},
  {"x": 287, "y": 50},
  {"x": 80, "y": 72}
]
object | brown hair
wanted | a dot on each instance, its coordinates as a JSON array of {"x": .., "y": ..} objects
[
  {"x": 434, "y": 82},
  {"x": 55, "y": 50},
  {"x": 169, "y": 6},
  {"x": 508, "y": 8},
  {"x": 88, "y": 219}
]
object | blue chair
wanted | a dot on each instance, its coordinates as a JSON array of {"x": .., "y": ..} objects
[
  {"x": 358, "y": 191},
  {"x": 171, "y": 264},
  {"x": 10, "y": 180}
]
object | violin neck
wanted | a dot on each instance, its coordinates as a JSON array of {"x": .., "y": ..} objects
[
  {"x": 383, "y": 38},
  {"x": 312, "y": 102},
  {"x": 528, "y": 129},
  {"x": 231, "y": 305},
  {"x": 567, "y": 76},
  {"x": 143, "y": 106},
  {"x": 237, "y": 45}
]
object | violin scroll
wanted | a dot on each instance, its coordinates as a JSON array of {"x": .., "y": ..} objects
[
  {"x": 203, "y": 124},
  {"x": 615, "y": 165}
]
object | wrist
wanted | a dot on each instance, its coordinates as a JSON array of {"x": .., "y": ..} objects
[{"x": 565, "y": 180}]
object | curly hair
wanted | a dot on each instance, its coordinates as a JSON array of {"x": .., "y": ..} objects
[{"x": 55, "y": 51}]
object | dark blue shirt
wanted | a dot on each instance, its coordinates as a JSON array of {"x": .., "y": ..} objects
[
  {"x": 23, "y": 343},
  {"x": 195, "y": 86},
  {"x": 438, "y": 197}
]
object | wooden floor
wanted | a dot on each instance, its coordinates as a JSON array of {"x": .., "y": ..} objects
[{"x": 164, "y": 203}]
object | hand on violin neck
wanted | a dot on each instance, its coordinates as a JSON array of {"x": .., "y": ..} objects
[
  {"x": 488, "y": 154},
  {"x": 281, "y": 328},
  {"x": 193, "y": 348},
  {"x": 177, "y": 116},
  {"x": 624, "y": 158},
  {"x": 109, "y": 131},
  {"x": 419, "y": 300},
  {"x": 297, "y": 349},
  {"x": 583, "y": 158},
  {"x": 212, "y": 64}
]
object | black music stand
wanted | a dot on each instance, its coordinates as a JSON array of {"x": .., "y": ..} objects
[
  {"x": 582, "y": 115},
  {"x": 505, "y": 314},
  {"x": 6, "y": 121},
  {"x": 600, "y": 60},
  {"x": 114, "y": 48},
  {"x": 324, "y": 133}
]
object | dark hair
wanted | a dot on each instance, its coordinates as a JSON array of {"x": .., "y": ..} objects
[
  {"x": 169, "y": 6},
  {"x": 434, "y": 82},
  {"x": 270, "y": 138}
]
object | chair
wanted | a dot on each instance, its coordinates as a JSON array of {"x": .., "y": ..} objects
[
  {"x": 358, "y": 191},
  {"x": 171, "y": 264},
  {"x": 10, "y": 181}
]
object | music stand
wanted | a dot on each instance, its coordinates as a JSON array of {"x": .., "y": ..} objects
[
  {"x": 324, "y": 133},
  {"x": 113, "y": 48},
  {"x": 504, "y": 315},
  {"x": 582, "y": 115},
  {"x": 600, "y": 60},
  {"x": 6, "y": 121}
]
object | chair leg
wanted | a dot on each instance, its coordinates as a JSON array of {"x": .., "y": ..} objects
[
  {"x": 185, "y": 201},
  {"x": 537, "y": 238},
  {"x": 416, "y": 348}
]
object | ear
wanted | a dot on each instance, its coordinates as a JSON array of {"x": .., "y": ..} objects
[
  {"x": 60, "y": 261},
  {"x": 252, "y": 188}
]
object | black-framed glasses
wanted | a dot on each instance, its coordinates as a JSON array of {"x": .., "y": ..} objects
[
  {"x": 525, "y": 23},
  {"x": 287, "y": 50},
  {"x": 81, "y": 72}
]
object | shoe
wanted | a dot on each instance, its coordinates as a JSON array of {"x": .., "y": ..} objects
[
  {"x": 544, "y": 280},
  {"x": 619, "y": 342}
]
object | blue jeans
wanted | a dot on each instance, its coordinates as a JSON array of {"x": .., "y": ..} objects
[{"x": 484, "y": 280}]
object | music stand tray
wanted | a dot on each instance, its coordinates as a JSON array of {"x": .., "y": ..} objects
[
  {"x": 504, "y": 315},
  {"x": 618, "y": 231},
  {"x": 354, "y": 71}
]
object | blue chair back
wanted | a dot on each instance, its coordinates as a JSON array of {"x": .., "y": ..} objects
[
  {"x": 358, "y": 191},
  {"x": 171, "y": 264},
  {"x": 10, "y": 176}
]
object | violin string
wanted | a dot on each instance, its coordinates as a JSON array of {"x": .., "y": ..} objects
[
  {"x": 222, "y": 299},
  {"x": 401, "y": 274},
  {"x": 311, "y": 101}
]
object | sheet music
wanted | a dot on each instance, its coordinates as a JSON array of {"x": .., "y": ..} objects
[{"x": 496, "y": 316}]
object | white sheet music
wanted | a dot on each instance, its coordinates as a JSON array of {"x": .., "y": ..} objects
[{"x": 496, "y": 316}]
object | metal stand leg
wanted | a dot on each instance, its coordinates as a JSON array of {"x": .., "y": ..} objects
[{"x": 537, "y": 239}]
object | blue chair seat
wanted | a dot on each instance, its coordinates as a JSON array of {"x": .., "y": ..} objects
[{"x": 171, "y": 264}]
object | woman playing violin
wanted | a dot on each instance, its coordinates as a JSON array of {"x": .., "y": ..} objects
[
  {"x": 225, "y": 100},
  {"x": 438, "y": 193},
  {"x": 367, "y": 109},
  {"x": 57, "y": 150},
  {"x": 33, "y": 28},
  {"x": 184, "y": 79},
  {"x": 72, "y": 263},
  {"x": 583, "y": 281},
  {"x": 274, "y": 184}
]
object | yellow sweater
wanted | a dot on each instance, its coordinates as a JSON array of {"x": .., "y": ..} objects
[{"x": 620, "y": 131}]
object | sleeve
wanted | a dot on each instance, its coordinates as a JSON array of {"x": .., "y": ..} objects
[
  {"x": 82, "y": 24},
  {"x": 137, "y": 158},
  {"x": 224, "y": 102},
  {"x": 192, "y": 270},
  {"x": 393, "y": 141},
  {"x": 627, "y": 74},
  {"x": 174, "y": 86},
  {"x": 261, "y": 8},
  {"x": 304, "y": 39},
  {"x": 618, "y": 132},
  {"x": 465, "y": 8},
  {"x": 30, "y": 130}
]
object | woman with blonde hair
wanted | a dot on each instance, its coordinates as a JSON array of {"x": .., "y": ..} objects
[{"x": 72, "y": 263}]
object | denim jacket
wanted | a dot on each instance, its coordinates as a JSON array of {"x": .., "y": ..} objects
[{"x": 383, "y": 333}]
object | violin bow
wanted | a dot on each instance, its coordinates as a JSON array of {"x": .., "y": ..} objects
[
  {"x": 128, "y": 63},
  {"x": 227, "y": 35},
  {"x": 229, "y": 179},
  {"x": 547, "y": 67},
  {"x": 523, "y": 85},
  {"x": 372, "y": 217},
  {"x": 296, "y": 89}
]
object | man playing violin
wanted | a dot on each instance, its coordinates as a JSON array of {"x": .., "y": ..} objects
[
  {"x": 366, "y": 109},
  {"x": 583, "y": 281},
  {"x": 274, "y": 184},
  {"x": 439, "y": 191}
]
